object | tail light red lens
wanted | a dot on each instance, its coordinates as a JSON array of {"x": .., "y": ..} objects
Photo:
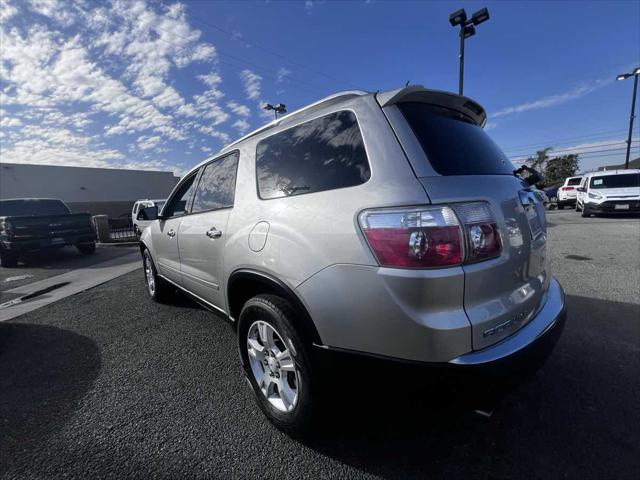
[
  {"x": 431, "y": 237},
  {"x": 414, "y": 238},
  {"x": 567, "y": 188}
]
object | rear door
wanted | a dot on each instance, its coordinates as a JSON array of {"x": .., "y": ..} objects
[
  {"x": 164, "y": 235},
  {"x": 203, "y": 234},
  {"x": 457, "y": 162}
]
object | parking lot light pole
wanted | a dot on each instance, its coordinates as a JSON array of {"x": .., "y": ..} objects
[
  {"x": 279, "y": 108},
  {"x": 624, "y": 76},
  {"x": 467, "y": 29}
]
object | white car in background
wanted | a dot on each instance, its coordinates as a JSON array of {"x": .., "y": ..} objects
[
  {"x": 567, "y": 193},
  {"x": 139, "y": 224},
  {"x": 615, "y": 191}
]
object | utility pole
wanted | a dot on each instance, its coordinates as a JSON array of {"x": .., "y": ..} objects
[{"x": 624, "y": 76}]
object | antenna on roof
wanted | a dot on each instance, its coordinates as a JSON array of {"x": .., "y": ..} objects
[{"x": 406, "y": 84}]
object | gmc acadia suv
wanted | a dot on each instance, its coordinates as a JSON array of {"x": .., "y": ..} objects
[{"x": 386, "y": 224}]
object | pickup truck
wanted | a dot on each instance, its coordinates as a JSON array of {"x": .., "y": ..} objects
[{"x": 31, "y": 224}]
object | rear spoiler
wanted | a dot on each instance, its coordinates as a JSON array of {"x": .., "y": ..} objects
[{"x": 417, "y": 93}]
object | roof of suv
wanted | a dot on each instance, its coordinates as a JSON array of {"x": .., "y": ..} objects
[
  {"x": 603, "y": 173},
  {"x": 413, "y": 93}
]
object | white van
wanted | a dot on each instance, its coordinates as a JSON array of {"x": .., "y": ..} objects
[
  {"x": 139, "y": 224},
  {"x": 615, "y": 191}
]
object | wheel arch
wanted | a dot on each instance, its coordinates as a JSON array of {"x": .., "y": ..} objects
[{"x": 244, "y": 284}]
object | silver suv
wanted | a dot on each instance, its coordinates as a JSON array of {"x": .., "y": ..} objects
[{"x": 385, "y": 224}]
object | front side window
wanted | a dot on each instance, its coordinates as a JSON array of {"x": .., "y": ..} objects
[
  {"x": 322, "y": 154},
  {"x": 180, "y": 201},
  {"x": 217, "y": 185},
  {"x": 625, "y": 180}
]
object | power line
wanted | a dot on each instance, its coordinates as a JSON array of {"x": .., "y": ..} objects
[
  {"x": 266, "y": 50},
  {"x": 580, "y": 150},
  {"x": 565, "y": 140}
]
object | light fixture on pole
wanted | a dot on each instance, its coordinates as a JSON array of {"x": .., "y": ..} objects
[
  {"x": 467, "y": 29},
  {"x": 624, "y": 76},
  {"x": 279, "y": 108}
]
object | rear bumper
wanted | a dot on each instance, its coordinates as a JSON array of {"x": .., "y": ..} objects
[
  {"x": 567, "y": 201},
  {"x": 610, "y": 206},
  {"x": 538, "y": 337},
  {"x": 43, "y": 243}
]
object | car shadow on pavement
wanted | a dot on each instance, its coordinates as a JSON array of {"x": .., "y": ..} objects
[
  {"x": 44, "y": 374},
  {"x": 574, "y": 418}
]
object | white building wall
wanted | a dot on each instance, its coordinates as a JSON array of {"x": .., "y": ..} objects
[{"x": 98, "y": 190}]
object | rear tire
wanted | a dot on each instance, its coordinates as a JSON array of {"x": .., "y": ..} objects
[
  {"x": 8, "y": 259},
  {"x": 87, "y": 248},
  {"x": 277, "y": 363},
  {"x": 158, "y": 289},
  {"x": 560, "y": 206}
]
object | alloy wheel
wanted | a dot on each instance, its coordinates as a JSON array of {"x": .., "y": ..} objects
[{"x": 272, "y": 366}]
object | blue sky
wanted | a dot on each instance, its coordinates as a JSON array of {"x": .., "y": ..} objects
[{"x": 158, "y": 84}]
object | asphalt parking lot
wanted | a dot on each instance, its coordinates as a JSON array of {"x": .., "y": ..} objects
[{"x": 107, "y": 384}]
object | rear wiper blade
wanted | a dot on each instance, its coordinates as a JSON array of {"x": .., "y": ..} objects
[{"x": 291, "y": 190}]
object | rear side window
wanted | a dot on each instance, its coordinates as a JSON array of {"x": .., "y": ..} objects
[
  {"x": 34, "y": 207},
  {"x": 625, "y": 180},
  {"x": 453, "y": 144},
  {"x": 322, "y": 154},
  {"x": 574, "y": 181},
  {"x": 217, "y": 186}
]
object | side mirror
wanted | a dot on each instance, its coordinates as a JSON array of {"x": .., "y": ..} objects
[
  {"x": 148, "y": 213},
  {"x": 580, "y": 189}
]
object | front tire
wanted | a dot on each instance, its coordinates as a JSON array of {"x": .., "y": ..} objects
[
  {"x": 277, "y": 363},
  {"x": 8, "y": 259},
  {"x": 585, "y": 211},
  {"x": 87, "y": 248},
  {"x": 158, "y": 289}
]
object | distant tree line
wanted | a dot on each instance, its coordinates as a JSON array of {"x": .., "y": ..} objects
[{"x": 554, "y": 170}]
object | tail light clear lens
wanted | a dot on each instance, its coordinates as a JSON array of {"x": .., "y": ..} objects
[
  {"x": 414, "y": 238},
  {"x": 431, "y": 237},
  {"x": 481, "y": 231}
]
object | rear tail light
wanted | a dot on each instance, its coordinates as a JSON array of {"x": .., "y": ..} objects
[
  {"x": 6, "y": 227},
  {"x": 431, "y": 237},
  {"x": 567, "y": 188},
  {"x": 481, "y": 231}
]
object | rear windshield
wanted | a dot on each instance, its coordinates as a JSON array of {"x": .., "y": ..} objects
[
  {"x": 19, "y": 208},
  {"x": 616, "y": 181},
  {"x": 574, "y": 181},
  {"x": 454, "y": 145}
]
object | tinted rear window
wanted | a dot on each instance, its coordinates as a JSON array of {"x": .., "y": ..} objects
[
  {"x": 574, "y": 181},
  {"x": 454, "y": 145},
  {"x": 616, "y": 181},
  {"x": 322, "y": 154},
  {"x": 18, "y": 208}
]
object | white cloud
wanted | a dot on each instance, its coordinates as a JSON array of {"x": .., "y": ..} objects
[
  {"x": 147, "y": 143},
  {"x": 553, "y": 100},
  {"x": 252, "y": 84},
  {"x": 7, "y": 10},
  {"x": 212, "y": 79},
  {"x": 57, "y": 10},
  {"x": 241, "y": 125},
  {"x": 283, "y": 73},
  {"x": 238, "y": 109},
  {"x": 308, "y": 6},
  {"x": 8, "y": 122}
]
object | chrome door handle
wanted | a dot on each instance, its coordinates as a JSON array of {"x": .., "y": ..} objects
[
  {"x": 171, "y": 233},
  {"x": 213, "y": 233}
]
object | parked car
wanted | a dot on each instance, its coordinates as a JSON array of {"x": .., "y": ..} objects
[
  {"x": 30, "y": 224},
  {"x": 139, "y": 223},
  {"x": 372, "y": 224},
  {"x": 567, "y": 192},
  {"x": 552, "y": 194},
  {"x": 615, "y": 191}
]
